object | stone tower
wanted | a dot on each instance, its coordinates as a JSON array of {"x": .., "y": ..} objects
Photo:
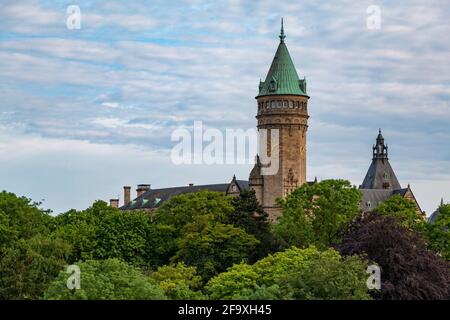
[{"x": 283, "y": 107}]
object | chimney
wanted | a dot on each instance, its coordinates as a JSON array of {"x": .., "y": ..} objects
[
  {"x": 142, "y": 188},
  {"x": 126, "y": 195},
  {"x": 114, "y": 203}
]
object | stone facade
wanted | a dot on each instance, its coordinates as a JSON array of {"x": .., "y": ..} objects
[{"x": 289, "y": 115}]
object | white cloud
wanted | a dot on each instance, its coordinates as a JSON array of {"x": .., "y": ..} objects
[{"x": 136, "y": 71}]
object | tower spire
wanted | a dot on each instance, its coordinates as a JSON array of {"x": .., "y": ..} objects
[
  {"x": 380, "y": 148},
  {"x": 282, "y": 35}
]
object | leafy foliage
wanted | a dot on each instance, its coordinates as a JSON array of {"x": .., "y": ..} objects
[
  {"x": 179, "y": 282},
  {"x": 408, "y": 269},
  {"x": 78, "y": 229},
  {"x": 249, "y": 216},
  {"x": 28, "y": 266},
  {"x": 438, "y": 232},
  {"x": 102, "y": 232},
  {"x": 20, "y": 218},
  {"x": 124, "y": 235},
  {"x": 404, "y": 210},
  {"x": 213, "y": 246},
  {"x": 313, "y": 214},
  {"x": 294, "y": 273},
  {"x": 212, "y": 238},
  {"x": 183, "y": 209},
  {"x": 109, "y": 279}
]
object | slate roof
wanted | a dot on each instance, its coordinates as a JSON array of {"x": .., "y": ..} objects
[
  {"x": 380, "y": 174},
  {"x": 371, "y": 198},
  {"x": 154, "y": 198},
  {"x": 432, "y": 218},
  {"x": 282, "y": 77}
]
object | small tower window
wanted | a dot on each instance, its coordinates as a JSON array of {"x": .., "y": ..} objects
[
  {"x": 291, "y": 104},
  {"x": 285, "y": 104},
  {"x": 273, "y": 86},
  {"x": 272, "y": 104}
]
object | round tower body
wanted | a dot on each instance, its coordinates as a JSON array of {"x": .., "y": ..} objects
[{"x": 288, "y": 114}]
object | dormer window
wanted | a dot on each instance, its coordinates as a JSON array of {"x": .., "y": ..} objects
[
  {"x": 272, "y": 86},
  {"x": 369, "y": 204}
]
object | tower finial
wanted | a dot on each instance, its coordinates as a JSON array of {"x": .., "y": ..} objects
[
  {"x": 442, "y": 201},
  {"x": 282, "y": 35}
]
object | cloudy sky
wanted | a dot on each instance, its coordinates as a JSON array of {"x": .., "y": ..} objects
[{"x": 85, "y": 111}]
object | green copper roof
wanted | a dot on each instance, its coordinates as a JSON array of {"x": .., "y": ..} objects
[{"x": 282, "y": 77}]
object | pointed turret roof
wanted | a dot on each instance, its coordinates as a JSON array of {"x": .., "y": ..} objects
[
  {"x": 282, "y": 77},
  {"x": 380, "y": 174}
]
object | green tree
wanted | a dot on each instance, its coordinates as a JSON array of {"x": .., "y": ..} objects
[
  {"x": 20, "y": 218},
  {"x": 183, "y": 209},
  {"x": 170, "y": 219},
  {"x": 102, "y": 232},
  {"x": 28, "y": 266},
  {"x": 79, "y": 228},
  {"x": 313, "y": 214},
  {"x": 404, "y": 210},
  {"x": 438, "y": 232},
  {"x": 162, "y": 242},
  {"x": 294, "y": 273},
  {"x": 213, "y": 246},
  {"x": 249, "y": 215},
  {"x": 6, "y": 231},
  {"x": 109, "y": 279},
  {"x": 179, "y": 282},
  {"x": 329, "y": 277},
  {"x": 124, "y": 235}
]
